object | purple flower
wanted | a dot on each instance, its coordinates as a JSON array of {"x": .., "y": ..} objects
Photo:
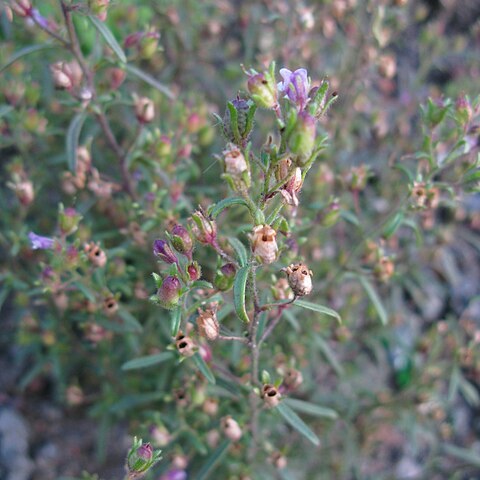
[
  {"x": 145, "y": 452},
  {"x": 39, "y": 242},
  {"x": 174, "y": 474},
  {"x": 162, "y": 249},
  {"x": 295, "y": 85},
  {"x": 39, "y": 18}
]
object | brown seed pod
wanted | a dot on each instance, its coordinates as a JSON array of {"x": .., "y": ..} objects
[
  {"x": 299, "y": 279},
  {"x": 270, "y": 395},
  {"x": 207, "y": 324},
  {"x": 264, "y": 244}
]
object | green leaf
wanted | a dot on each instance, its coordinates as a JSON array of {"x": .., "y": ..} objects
[
  {"x": 291, "y": 319},
  {"x": 393, "y": 224},
  {"x": 150, "y": 80},
  {"x": 5, "y": 110},
  {"x": 311, "y": 408},
  {"x": 329, "y": 354},
  {"x": 219, "y": 207},
  {"x": 319, "y": 309},
  {"x": 129, "y": 401},
  {"x": 26, "y": 51},
  {"x": 203, "y": 367},
  {"x": 108, "y": 37},
  {"x": 73, "y": 136},
  {"x": 147, "y": 361},
  {"x": 374, "y": 298},
  {"x": 201, "y": 284},
  {"x": 470, "y": 456},
  {"x": 240, "y": 250},
  {"x": 86, "y": 291},
  {"x": 297, "y": 423},
  {"x": 213, "y": 460},
  {"x": 176, "y": 318},
  {"x": 239, "y": 290},
  {"x": 130, "y": 321},
  {"x": 234, "y": 122}
]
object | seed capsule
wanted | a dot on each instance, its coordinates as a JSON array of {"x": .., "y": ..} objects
[
  {"x": 207, "y": 324},
  {"x": 264, "y": 244},
  {"x": 231, "y": 429},
  {"x": 299, "y": 279},
  {"x": 270, "y": 395}
]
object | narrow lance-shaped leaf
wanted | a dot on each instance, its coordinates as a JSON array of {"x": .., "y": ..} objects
[
  {"x": 239, "y": 290},
  {"x": 219, "y": 207},
  {"x": 203, "y": 367},
  {"x": 147, "y": 361},
  {"x": 73, "y": 136},
  {"x": 311, "y": 408},
  {"x": 297, "y": 423},
  {"x": 26, "y": 51},
  {"x": 213, "y": 460},
  {"x": 240, "y": 250},
  {"x": 176, "y": 318},
  {"x": 319, "y": 309},
  {"x": 108, "y": 37},
  {"x": 375, "y": 299},
  {"x": 150, "y": 80}
]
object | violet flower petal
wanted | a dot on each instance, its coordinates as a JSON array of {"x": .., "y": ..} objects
[{"x": 39, "y": 242}]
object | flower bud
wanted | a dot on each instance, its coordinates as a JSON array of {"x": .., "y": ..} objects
[
  {"x": 182, "y": 241},
  {"x": 270, "y": 395},
  {"x": 225, "y": 277},
  {"x": 185, "y": 345},
  {"x": 207, "y": 324},
  {"x": 281, "y": 290},
  {"x": 95, "y": 254},
  {"x": 387, "y": 66},
  {"x": 464, "y": 109},
  {"x": 68, "y": 220},
  {"x": 231, "y": 429},
  {"x": 242, "y": 108},
  {"x": 62, "y": 75},
  {"x": 74, "y": 396},
  {"x": 419, "y": 194},
  {"x": 99, "y": 8},
  {"x": 263, "y": 90},
  {"x": 302, "y": 139},
  {"x": 194, "y": 271},
  {"x": 160, "y": 435},
  {"x": 162, "y": 250},
  {"x": 23, "y": 8},
  {"x": 144, "y": 109},
  {"x": 330, "y": 215},
  {"x": 293, "y": 181},
  {"x": 278, "y": 460},
  {"x": 24, "y": 191},
  {"x": 210, "y": 406},
  {"x": 299, "y": 278},
  {"x": 264, "y": 244},
  {"x": 292, "y": 379},
  {"x": 169, "y": 292},
  {"x": 384, "y": 269},
  {"x": 204, "y": 229},
  {"x": 357, "y": 178},
  {"x": 140, "y": 459}
]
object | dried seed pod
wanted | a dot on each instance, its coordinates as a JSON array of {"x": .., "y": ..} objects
[
  {"x": 299, "y": 279},
  {"x": 185, "y": 345},
  {"x": 231, "y": 428},
  {"x": 264, "y": 244},
  {"x": 235, "y": 163},
  {"x": 95, "y": 254},
  {"x": 270, "y": 395},
  {"x": 207, "y": 324},
  {"x": 110, "y": 305},
  {"x": 292, "y": 379}
]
